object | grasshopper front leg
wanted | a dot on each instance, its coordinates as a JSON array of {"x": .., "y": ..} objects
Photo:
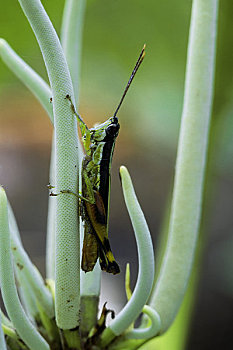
[
  {"x": 86, "y": 135},
  {"x": 78, "y": 195}
]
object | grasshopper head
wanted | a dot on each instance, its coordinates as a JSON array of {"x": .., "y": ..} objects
[
  {"x": 113, "y": 128},
  {"x": 105, "y": 131}
]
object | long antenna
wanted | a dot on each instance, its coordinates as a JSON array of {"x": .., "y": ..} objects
[{"x": 137, "y": 65}]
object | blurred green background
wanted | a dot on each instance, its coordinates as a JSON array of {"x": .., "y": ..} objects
[{"x": 114, "y": 33}]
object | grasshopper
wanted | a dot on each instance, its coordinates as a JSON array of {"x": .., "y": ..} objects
[{"x": 99, "y": 145}]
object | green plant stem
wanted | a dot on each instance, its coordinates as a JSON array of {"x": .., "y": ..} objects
[
  {"x": 151, "y": 326},
  {"x": 125, "y": 343},
  {"x": 67, "y": 264},
  {"x": 72, "y": 339},
  {"x": 176, "y": 337},
  {"x": 21, "y": 259},
  {"x": 71, "y": 39},
  {"x": 90, "y": 290},
  {"x": 2, "y": 339},
  {"x": 5, "y": 321},
  {"x": 27, "y": 272},
  {"x": 134, "y": 338},
  {"x": 9, "y": 293},
  {"x": 42, "y": 92},
  {"x": 191, "y": 159},
  {"x": 31, "y": 285},
  {"x": 27, "y": 296},
  {"x": 50, "y": 237},
  {"x": 13, "y": 340},
  {"x": 89, "y": 312},
  {"x": 28, "y": 76},
  {"x": 146, "y": 265}
]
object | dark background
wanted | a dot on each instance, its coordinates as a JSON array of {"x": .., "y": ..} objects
[{"x": 114, "y": 34}]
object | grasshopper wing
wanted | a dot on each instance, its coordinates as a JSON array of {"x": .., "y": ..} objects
[
  {"x": 97, "y": 216},
  {"x": 90, "y": 248}
]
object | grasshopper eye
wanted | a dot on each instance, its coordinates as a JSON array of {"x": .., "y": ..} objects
[{"x": 112, "y": 130}]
